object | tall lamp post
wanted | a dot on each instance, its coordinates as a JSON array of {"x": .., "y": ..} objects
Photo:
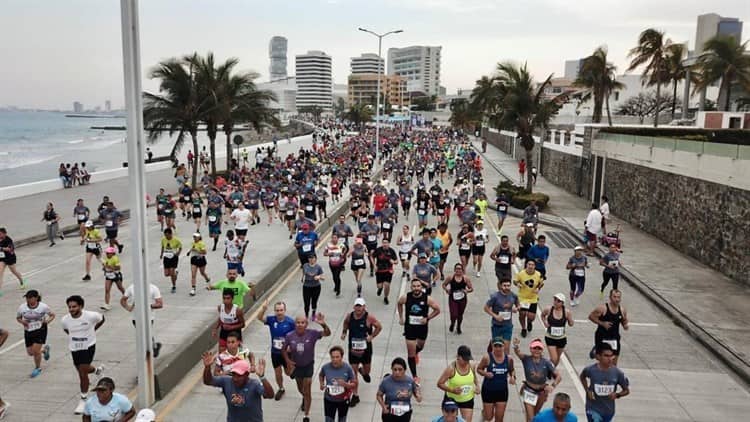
[{"x": 377, "y": 109}]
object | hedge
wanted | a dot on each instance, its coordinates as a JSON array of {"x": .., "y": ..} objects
[
  {"x": 519, "y": 197},
  {"x": 720, "y": 136}
]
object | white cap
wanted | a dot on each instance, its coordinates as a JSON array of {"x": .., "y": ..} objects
[
  {"x": 89, "y": 224},
  {"x": 197, "y": 235},
  {"x": 578, "y": 248},
  {"x": 560, "y": 297},
  {"x": 529, "y": 224},
  {"x": 359, "y": 302},
  {"x": 145, "y": 415}
]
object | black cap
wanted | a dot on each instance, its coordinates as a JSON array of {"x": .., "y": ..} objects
[
  {"x": 31, "y": 293},
  {"x": 105, "y": 383},
  {"x": 464, "y": 353}
]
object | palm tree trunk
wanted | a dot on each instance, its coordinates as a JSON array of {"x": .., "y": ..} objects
[
  {"x": 212, "y": 152},
  {"x": 658, "y": 95},
  {"x": 529, "y": 164},
  {"x": 609, "y": 114},
  {"x": 674, "y": 97},
  {"x": 194, "y": 177},
  {"x": 728, "y": 103},
  {"x": 229, "y": 149}
]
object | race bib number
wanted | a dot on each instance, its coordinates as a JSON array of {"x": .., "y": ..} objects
[
  {"x": 441, "y": 211},
  {"x": 196, "y": 210},
  {"x": 614, "y": 263},
  {"x": 459, "y": 295},
  {"x": 415, "y": 320},
  {"x": 92, "y": 245},
  {"x": 466, "y": 389},
  {"x": 386, "y": 226},
  {"x": 2, "y": 254},
  {"x": 502, "y": 208},
  {"x": 612, "y": 343},
  {"x": 557, "y": 331},
  {"x": 505, "y": 315},
  {"x": 404, "y": 256},
  {"x": 422, "y": 212},
  {"x": 168, "y": 255},
  {"x": 465, "y": 247},
  {"x": 290, "y": 212},
  {"x": 525, "y": 305},
  {"x": 110, "y": 275},
  {"x": 579, "y": 272},
  {"x": 278, "y": 343},
  {"x": 186, "y": 197},
  {"x": 399, "y": 409},
  {"x": 211, "y": 218},
  {"x": 504, "y": 259},
  {"x": 359, "y": 344},
  {"x": 308, "y": 208},
  {"x": 160, "y": 206},
  {"x": 300, "y": 347},
  {"x": 336, "y": 390},
  {"x": 109, "y": 223},
  {"x": 372, "y": 238},
  {"x": 359, "y": 261},
  {"x": 604, "y": 390},
  {"x": 79, "y": 343},
  {"x": 81, "y": 217},
  {"x": 530, "y": 397},
  {"x": 479, "y": 243},
  {"x": 34, "y": 325},
  {"x": 306, "y": 247}
]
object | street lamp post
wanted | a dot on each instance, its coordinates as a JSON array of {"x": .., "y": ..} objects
[{"x": 377, "y": 107}]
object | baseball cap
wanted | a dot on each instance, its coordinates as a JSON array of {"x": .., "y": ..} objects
[
  {"x": 89, "y": 224},
  {"x": 105, "y": 383},
  {"x": 498, "y": 340},
  {"x": 450, "y": 405},
  {"x": 110, "y": 249},
  {"x": 480, "y": 222},
  {"x": 145, "y": 415},
  {"x": 241, "y": 367},
  {"x": 359, "y": 302},
  {"x": 32, "y": 293},
  {"x": 536, "y": 343},
  {"x": 196, "y": 235},
  {"x": 305, "y": 226},
  {"x": 422, "y": 255},
  {"x": 464, "y": 353},
  {"x": 560, "y": 297}
]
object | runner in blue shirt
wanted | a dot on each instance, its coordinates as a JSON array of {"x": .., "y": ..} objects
[
  {"x": 539, "y": 253},
  {"x": 560, "y": 411},
  {"x": 279, "y": 324}
]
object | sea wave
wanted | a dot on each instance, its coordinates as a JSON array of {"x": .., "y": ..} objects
[
  {"x": 77, "y": 141},
  {"x": 12, "y": 161}
]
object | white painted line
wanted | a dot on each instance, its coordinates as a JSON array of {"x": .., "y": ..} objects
[
  {"x": 573, "y": 376},
  {"x": 11, "y": 347},
  {"x": 635, "y": 324}
]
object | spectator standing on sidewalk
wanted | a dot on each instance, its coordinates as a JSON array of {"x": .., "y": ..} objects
[
  {"x": 522, "y": 170},
  {"x": 593, "y": 226},
  {"x": 51, "y": 218},
  {"x": 604, "y": 209}
]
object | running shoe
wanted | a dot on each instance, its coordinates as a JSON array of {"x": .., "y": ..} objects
[
  {"x": 45, "y": 351},
  {"x": 157, "y": 348},
  {"x": 523, "y": 333},
  {"x": 601, "y": 295},
  {"x": 105, "y": 307},
  {"x": 36, "y": 372},
  {"x": 192, "y": 291},
  {"x": 87, "y": 277},
  {"x": 479, "y": 274},
  {"x": 81, "y": 406},
  {"x": 353, "y": 401},
  {"x": 24, "y": 285},
  {"x": 99, "y": 370},
  {"x": 385, "y": 300},
  {"x": 529, "y": 326},
  {"x": 279, "y": 394},
  {"x": 380, "y": 291},
  {"x": 174, "y": 289},
  {"x": 313, "y": 317},
  {"x": 365, "y": 377}
]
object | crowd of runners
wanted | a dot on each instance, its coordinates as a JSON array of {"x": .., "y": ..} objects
[{"x": 399, "y": 208}]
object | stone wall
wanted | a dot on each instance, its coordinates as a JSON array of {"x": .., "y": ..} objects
[
  {"x": 707, "y": 221},
  {"x": 567, "y": 171},
  {"x": 505, "y": 144}
]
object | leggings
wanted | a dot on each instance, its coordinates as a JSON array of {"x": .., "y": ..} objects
[
  {"x": 336, "y": 272},
  {"x": 457, "y": 308},
  {"x": 52, "y": 232},
  {"x": 615, "y": 277},
  {"x": 310, "y": 294},
  {"x": 577, "y": 284},
  {"x": 330, "y": 408}
]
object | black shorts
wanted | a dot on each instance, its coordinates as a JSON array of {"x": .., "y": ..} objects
[
  {"x": 111, "y": 233},
  {"x": 503, "y": 273},
  {"x": 198, "y": 261},
  {"x": 363, "y": 359},
  {"x": 197, "y": 215},
  {"x": 117, "y": 278},
  {"x": 532, "y": 308},
  {"x": 477, "y": 250},
  {"x": 469, "y": 404},
  {"x": 560, "y": 343},
  {"x": 415, "y": 332},
  {"x": 288, "y": 217},
  {"x": 240, "y": 232},
  {"x": 464, "y": 252},
  {"x": 9, "y": 259},
  {"x": 599, "y": 340},
  {"x": 35, "y": 337},
  {"x": 386, "y": 277},
  {"x": 95, "y": 251},
  {"x": 301, "y": 372},
  {"x": 84, "y": 357},
  {"x": 371, "y": 246},
  {"x": 277, "y": 360},
  {"x": 444, "y": 257},
  {"x": 494, "y": 396},
  {"x": 170, "y": 263}
]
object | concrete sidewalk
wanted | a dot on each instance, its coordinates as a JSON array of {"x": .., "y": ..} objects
[{"x": 709, "y": 305}]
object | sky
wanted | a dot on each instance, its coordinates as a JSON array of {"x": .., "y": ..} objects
[{"x": 55, "y": 52}]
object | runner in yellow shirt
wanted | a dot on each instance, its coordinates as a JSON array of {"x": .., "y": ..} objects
[
  {"x": 197, "y": 260},
  {"x": 112, "y": 274},
  {"x": 529, "y": 283},
  {"x": 171, "y": 247},
  {"x": 481, "y": 205},
  {"x": 92, "y": 238}
]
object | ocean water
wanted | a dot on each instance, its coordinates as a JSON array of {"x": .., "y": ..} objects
[{"x": 33, "y": 144}]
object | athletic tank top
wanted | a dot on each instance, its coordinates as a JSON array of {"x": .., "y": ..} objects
[
  {"x": 416, "y": 309},
  {"x": 227, "y": 318},
  {"x": 358, "y": 332},
  {"x": 406, "y": 244},
  {"x": 615, "y": 318},
  {"x": 556, "y": 327},
  {"x": 499, "y": 380},
  {"x": 458, "y": 289},
  {"x": 504, "y": 258},
  {"x": 465, "y": 382}
]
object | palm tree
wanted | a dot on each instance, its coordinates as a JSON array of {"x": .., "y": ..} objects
[
  {"x": 176, "y": 109},
  {"x": 523, "y": 106},
  {"x": 597, "y": 75},
  {"x": 676, "y": 71},
  {"x": 651, "y": 51},
  {"x": 359, "y": 114},
  {"x": 726, "y": 59},
  {"x": 463, "y": 116},
  {"x": 486, "y": 97}
]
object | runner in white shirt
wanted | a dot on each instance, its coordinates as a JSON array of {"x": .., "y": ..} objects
[
  {"x": 481, "y": 237},
  {"x": 35, "y": 315},
  {"x": 405, "y": 242},
  {"x": 127, "y": 301},
  {"x": 80, "y": 326},
  {"x": 241, "y": 217}
]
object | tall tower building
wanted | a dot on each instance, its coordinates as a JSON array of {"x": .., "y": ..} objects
[
  {"x": 314, "y": 80},
  {"x": 419, "y": 65},
  {"x": 367, "y": 63},
  {"x": 711, "y": 24},
  {"x": 277, "y": 55}
]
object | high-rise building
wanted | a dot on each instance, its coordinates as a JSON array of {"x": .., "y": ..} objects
[
  {"x": 77, "y": 107},
  {"x": 711, "y": 24},
  {"x": 363, "y": 88},
  {"x": 277, "y": 55},
  {"x": 367, "y": 63},
  {"x": 572, "y": 67},
  {"x": 420, "y": 65},
  {"x": 286, "y": 92},
  {"x": 107, "y": 106},
  {"x": 314, "y": 80}
]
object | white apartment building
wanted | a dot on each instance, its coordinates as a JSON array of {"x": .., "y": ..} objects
[
  {"x": 286, "y": 93},
  {"x": 419, "y": 65},
  {"x": 367, "y": 63},
  {"x": 314, "y": 80}
]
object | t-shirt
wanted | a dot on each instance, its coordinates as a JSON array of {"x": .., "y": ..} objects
[
  {"x": 538, "y": 254},
  {"x": 35, "y": 317},
  {"x": 234, "y": 249},
  {"x": 594, "y": 221},
  {"x": 111, "y": 262},
  {"x": 310, "y": 271},
  {"x": 242, "y": 218},
  {"x": 502, "y": 304},
  {"x": 537, "y": 372},
  {"x": 603, "y": 382},
  {"x": 225, "y": 360},
  {"x": 153, "y": 294},
  {"x": 335, "y": 254},
  {"x": 279, "y": 330},
  {"x": 307, "y": 242},
  {"x": 199, "y": 246},
  {"x": 548, "y": 415},
  {"x": 579, "y": 265},
  {"x": 243, "y": 403},
  {"x": 425, "y": 272},
  {"x": 301, "y": 348},
  {"x": 111, "y": 218},
  {"x": 527, "y": 286},
  {"x": 170, "y": 247},
  {"x": 110, "y": 412},
  {"x": 239, "y": 287},
  {"x": 335, "y": 379},
  {"x": 442, "y": 419},
  {"x": 92, "y": 237},
  {"x": 397, "y": 391},
  {"x": 611, "y": 258},
  {"x": 81, "y": 330}
]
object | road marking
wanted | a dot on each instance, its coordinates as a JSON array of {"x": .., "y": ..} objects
[
  {"x": 11, "y": 347},
  {"x": 408, "y": 277},
  {"x": 634, "y": 324}
]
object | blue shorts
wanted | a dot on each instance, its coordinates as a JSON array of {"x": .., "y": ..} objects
[
  {"x": 502, "y": 214},
  {"x": 235, "y": 266},
  {"x": 594, "y": 416},
  {"x": 214, "y": 229},
  {"x": 377, "y": 214},
  {"x": 504, "y": 331}
]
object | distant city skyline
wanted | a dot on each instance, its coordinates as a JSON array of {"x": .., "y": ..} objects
[{"x": 74, "y": 52}]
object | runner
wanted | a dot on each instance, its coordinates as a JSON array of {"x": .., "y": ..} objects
[
  {"x": 502, "y": 204},
  {"x": 555, "y": 318},
  {"x": 112, "y": 218},
  {"x": 501, "y": 306},
  {"x": 335, "y": 251},
  {"x": 238, "y": 286},
  {"x": 242, "y": 394},
  {"x": 446, "y": 240},
  {"x": 127, "y": 301},
  {"x": 457, "y": 286},
  {"x": 241, "y": 218},
  {"x": 385, "y": 259},
  {"x": 560, "y": 411},
  {"x": 299, "y": 355},
  {"x": 171, "y": 247},
  {"x": 362, "y": 327},
  {"x": 529, "y": 283},
  {"x": 161, "y": 203},
  {"x": 231, "y": 319},
  {"x": 405, "y": 244},
  {"x": 80, "y": 325},
  {"x": 35, "y": 316},
  {"x": 107, "y": 405},
  {"x": 92, "y": 238},
  {"x": 233, "y": 352},
  {"x": 312, "y": 274},
  {"x": 496, "y": 367},
  {"x": 82, "y": 214},
  {"x": 608, "y": 317},
  {"x": 369, "y": 232},
  {"x": 525, "y": 239},
  {"x": 460, "y": 383},
  {"x": 449, "y": 412},
  {"x": 426, "y": 273},
  {"x": 539, "y": 253},
  {"x": 197, "y": 261},
  {"x": 537, "y": 370},
  {"x": 503, "y": 255},
  {"x": 465, "y": 240},
  {"x": 600, "y": 380},
  {"x": 197, "y": 210},
  {"x": 279, "y": 324},
  {"x": 111, "y": 266},
  {"x": 577, "y": 265},
  {"x": 169, "y": 213},
  {"x": 531, "y": 215},
  {"x": 234, "y": 253},
  {"x": 395, "y": 393},
  {"x": 415, "y": 320},
  {"x": 337, "y": 381},
  {"x": 611, "y": 263},
  {"x": 357, "y": 255},
  {"x": 481, "y": 237},
  {"x": 306, "y": 242}
]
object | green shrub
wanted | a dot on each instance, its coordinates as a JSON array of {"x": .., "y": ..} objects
[
  {"x": 524, "y": 200},
  {"x": 509, "y": 189}
]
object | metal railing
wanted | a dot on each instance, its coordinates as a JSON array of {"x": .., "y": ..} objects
[{"x": 736, "y": 152}]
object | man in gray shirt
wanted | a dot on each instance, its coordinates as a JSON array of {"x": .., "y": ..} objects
[
  {"x": 600, "y": 380},
  {"x": 243, "y": 395}
]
